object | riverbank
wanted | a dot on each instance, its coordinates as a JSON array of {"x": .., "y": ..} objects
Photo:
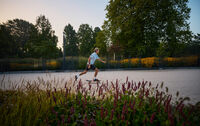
[
  {"x": 78, "y": 63},
  {"x": 80, "y": 70}
]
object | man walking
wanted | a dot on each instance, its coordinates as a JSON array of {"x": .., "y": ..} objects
[{"x": 90, "y": 64}]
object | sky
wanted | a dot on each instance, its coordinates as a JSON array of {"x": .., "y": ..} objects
[{"x": 75, "y": 12}]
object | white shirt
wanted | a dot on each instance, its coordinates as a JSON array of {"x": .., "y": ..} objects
[{"x": 93, "y": 57}]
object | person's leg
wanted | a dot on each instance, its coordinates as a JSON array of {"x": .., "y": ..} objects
[
  {"x": 76, "y": 76},
  {"x": 96, "y": 72},
  {"x": 84, "y": 72}
]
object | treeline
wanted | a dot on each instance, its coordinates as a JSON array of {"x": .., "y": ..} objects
[
  {"x": 133, "y": 28},
  {"x": 22, "y": 39},
  {"x": 82, "y": 42}
]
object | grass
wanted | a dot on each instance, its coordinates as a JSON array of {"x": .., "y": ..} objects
[{"x": 109, "y": 103}]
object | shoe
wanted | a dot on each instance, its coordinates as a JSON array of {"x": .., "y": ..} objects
[
  {"x": 76, "y": 77},
  {"x": 95, "y": 80}
]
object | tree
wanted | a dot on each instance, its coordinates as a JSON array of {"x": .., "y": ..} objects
[
  {"x": 20, "y": 30},
  {"x": 176, "y": 28},
  {"x": 101, "y": 43},
  {"x": 45, "y": 44},
  {"x": 161, "y": 50},
  {"x": 32, "y": 44},
  {"x": 196, "y": 44},
  {"x": 71, "y": 41},
  {"x": 85, "y": 39},
  {"x": 140, "y": 25},
  {"x": 193, "y": 47},
  {"x": 95, "y": 32},
  {"x": 6, "y": 43}
]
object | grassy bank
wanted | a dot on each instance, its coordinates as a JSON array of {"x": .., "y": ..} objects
[
  {"x": 109, "y": 103},
  {"x": 74, "y": 63}
]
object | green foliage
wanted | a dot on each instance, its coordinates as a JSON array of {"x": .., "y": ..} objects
[
  {"x": 18, "y": 36},
  {"x": 119, "y": 103},
  {"x": 46, "y": 41},
  {"x": 6, "y": 42},
  {"x": 85, "y": 39},
  {"x": 193, "y": 47},
  {"x": 161, "y": 50},
  {"x": 101, "y": 43},
  {"x": 71, "y": 45},
  {"x": 77, "y": 63},
  {"x": 23, "y": 108},
  {"x": 95, "y": 32},
  {"x": 139, "y": 25},
  {"x": 82, "y": 62}
]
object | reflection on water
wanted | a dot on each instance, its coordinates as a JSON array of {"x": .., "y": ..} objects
[{"x": 186, "y": 81}]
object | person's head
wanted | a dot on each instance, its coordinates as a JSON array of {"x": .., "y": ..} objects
[{"x": 96, "y": 50}]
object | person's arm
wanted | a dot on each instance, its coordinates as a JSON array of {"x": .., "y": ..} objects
[
  {"x": 101, "y": 60},
  {"x": 89, "y": 63},
  {"x": 89, "y": 60}
]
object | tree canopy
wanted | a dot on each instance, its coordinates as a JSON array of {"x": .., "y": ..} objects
[
  {"x": 20, "y": 38},
  {"x": 139, "y": 26},
  {"x": 20, "y": 31}
]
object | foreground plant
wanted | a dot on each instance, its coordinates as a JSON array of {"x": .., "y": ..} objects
[{"x": 109, "y": 103}]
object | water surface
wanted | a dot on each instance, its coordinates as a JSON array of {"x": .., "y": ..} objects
[{"x": 186, "y": 81}]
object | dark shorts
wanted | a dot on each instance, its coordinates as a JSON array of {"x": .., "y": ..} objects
[{"x": 91, "y": 67}]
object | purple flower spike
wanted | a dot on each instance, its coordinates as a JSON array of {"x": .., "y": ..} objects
[
  {"x": 102, "y": 112},
  {"x": 177, "y": 107},
  {"x": 149, "y": 84},
  {"x": 126, "y": 79},
  {"x": 139, "y": 85},
  {"x": 152, "y": 117},
  {"x": 156, "y": 86},
  {"x": 127, "y": 123},
  {"x": 129, "y": 85},
  {"x": 93, "y": 123},
  {"x": 123, "y": 88},
  {"x": 147, "y": 93},
  {"x": 106, "y": 113},
  {"x": 113, "y": 85},
  {"x": 132, "y": 105},
  {"x": 90, "y": 86},
  {"x": 85, "y": 121},
  {"x": 66, "y": 84},
  {"x": 54, "y": 89},
  {"x": 54, "y": 98},
  {"x": 112, "y": 113}
]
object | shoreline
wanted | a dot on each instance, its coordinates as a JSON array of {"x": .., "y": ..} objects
[{"x": 79, "y": 70}]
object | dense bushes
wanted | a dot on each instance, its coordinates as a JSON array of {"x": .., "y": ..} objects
[{"x": 75, "y": 63}]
